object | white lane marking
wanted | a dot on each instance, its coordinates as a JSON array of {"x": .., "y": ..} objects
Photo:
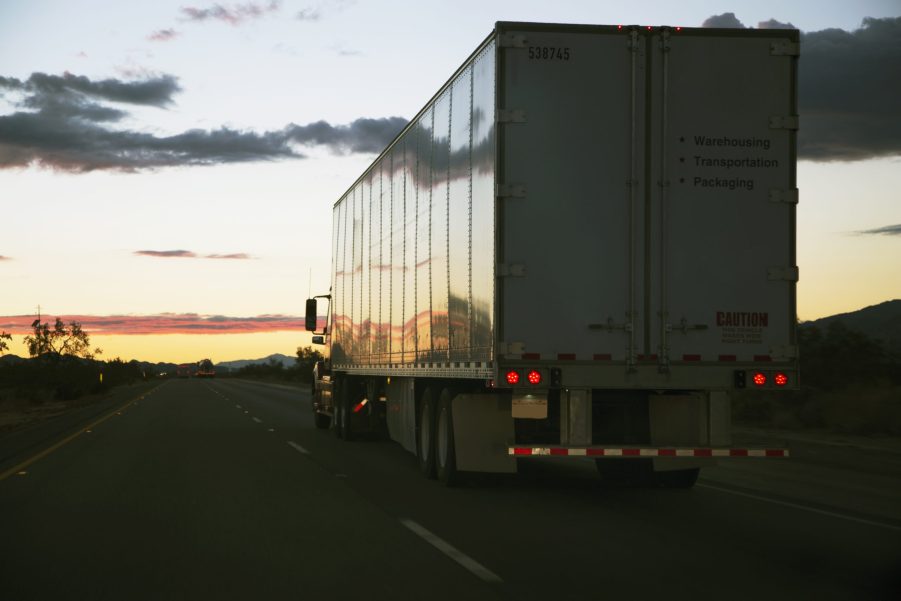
[
  {"x": 802, "y": 507},
  {"x": 297, "y": 447},
  {"x": 239, "y": 406},
  {"x": 257, "y": 420},
  {"x": 461, "y": 558},
  {"x": 272, "y": 429}
]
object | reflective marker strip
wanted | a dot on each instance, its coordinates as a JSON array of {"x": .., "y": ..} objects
[{"x": 642, "y": 452}]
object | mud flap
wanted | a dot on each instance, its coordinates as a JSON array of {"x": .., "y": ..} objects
[
  {"x": 483, "y": 427},
  {"x": 684, "y": 420}
]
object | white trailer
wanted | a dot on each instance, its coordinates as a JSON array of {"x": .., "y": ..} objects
[{"x": 580, "y": 246}]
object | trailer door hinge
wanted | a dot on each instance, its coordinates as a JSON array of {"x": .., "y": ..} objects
[
  {"x": 784, "y": 122},
  {"x": 510, "y": 191},
  {"x": 779, "y": 274},
  {"x": 785, "y": 48},
  {"x": 511, "y": 116},
  {"x": 512, "y": 40},
  {"x": 789, "y": 196},
  {"x": 516, "y": 270}
]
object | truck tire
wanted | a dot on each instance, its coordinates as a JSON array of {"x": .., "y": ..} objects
[
  {"x": 338, "y": 394},
  {"x": 347, "y": 403},
  {"x": 677, "y": 478},
  {"x": 445, "y": 453},
  {"x": 425, "y": 434},
  {"x": 321, "y": 421}
]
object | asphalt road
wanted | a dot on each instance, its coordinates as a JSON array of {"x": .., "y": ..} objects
[{"x": 219, "y": 489}]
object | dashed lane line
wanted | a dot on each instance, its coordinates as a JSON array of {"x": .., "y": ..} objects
[
  {"x": 257, "y": 420},
  {"x": 298, "y": 448},
  {"x": 461, "y": 558}
]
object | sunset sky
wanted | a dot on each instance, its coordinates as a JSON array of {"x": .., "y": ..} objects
[{"x": 168, "y": 168}]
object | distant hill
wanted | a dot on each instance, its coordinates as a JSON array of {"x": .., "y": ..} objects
[
  {"x": 882, "y": 322},
  {"x": 285, "y": 360}
]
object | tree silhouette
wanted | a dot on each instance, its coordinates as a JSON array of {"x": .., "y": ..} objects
[
  {"x": 4, "y": 346},
  {"x": 60, "y": 341}
]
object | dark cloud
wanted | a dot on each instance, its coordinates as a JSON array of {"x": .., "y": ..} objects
[
  {"x": 848, "y": 89},
  {"x": 65, "y": 127},
  {"x": 163, "y": 35},
  {"x": 728, "y": 20},
  {"x": 362, "y": 135},
  {"x": 849, "y": 92},
  {"x": 187, "y": 254},
  {"x": 233, "y": 15},
  {"x": 42, "y": 88},
  {"x": 166, "y": 253},
  {"x": 888, "y": 230},
  {"x": 774, "y": 24}
]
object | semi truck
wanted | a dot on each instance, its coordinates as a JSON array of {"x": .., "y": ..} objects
[
  {"x": 205, "y": 369},
  {"x": 582, "y": 246}
]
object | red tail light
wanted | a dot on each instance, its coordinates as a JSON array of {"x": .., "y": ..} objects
[
  {"x": 759, "y": 379},
  {"x": 512, "y": 377},
  {"x": 534, "y": 377},
  {"x": 780, "y": 379}
]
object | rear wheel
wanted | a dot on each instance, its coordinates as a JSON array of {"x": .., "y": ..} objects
[
  {"x": 338, "y": 394},
  {"x": 347, "y": 412},
  {"x": 445, "y": 452},
  {"x": 425, "y": 443},
  {"x": 322, "y": 422}
]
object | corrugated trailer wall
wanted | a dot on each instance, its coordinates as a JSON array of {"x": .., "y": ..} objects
[{"x": 414, "y": 258}]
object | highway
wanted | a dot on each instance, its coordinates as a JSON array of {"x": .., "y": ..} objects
[{"x": 223, "y": 489}]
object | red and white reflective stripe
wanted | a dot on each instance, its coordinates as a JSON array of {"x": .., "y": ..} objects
[
  {"x": 686, "y": 358},
  {"x": 641, "y": 452}
]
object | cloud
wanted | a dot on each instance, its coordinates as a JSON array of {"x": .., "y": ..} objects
[
  {"x": 163, "y": 35},
  {"x": 888, "y": 230},
  {"x": 728, "y": 20},
  {"x": 308, "y": 14},
  {"x": 847, "y": 92},
  {"x": 187, "y": 254},
  {"x": 362, "y": 135},
  {"x": 3, "y": 258},
  {"x": 166, "y": 253},
  {"x": 165, "y": 323},
  {"x": 42, "y": 88},
  {"x": 65, "y": 127},
  {"x": 233, "y": 15},
  {"x": 229, "y": 256},
  {"x": 774, "y": 24}
]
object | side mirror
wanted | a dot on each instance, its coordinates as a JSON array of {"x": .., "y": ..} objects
[
  {"x": 310, "y": 321},
  {"x": 318, "y": 339}
]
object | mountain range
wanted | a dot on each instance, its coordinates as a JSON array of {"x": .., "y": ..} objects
[{"x": 882, "y": 322}]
